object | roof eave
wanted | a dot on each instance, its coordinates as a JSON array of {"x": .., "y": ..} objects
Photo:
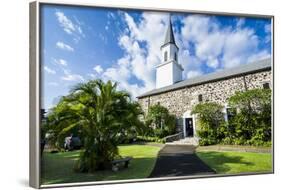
[{"x": 204, "y": 82}]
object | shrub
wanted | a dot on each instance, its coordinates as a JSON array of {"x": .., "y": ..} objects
[
  {"x": 252, "y": 124},
  {"x": 249, "y": 125},
  {"x": 211, "y": 122},
  {"x": 160, "y": 121},
  {"x": 150, "y": 139}
]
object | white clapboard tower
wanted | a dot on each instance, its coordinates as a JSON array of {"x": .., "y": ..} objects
[{"x": 169, "y": 71}]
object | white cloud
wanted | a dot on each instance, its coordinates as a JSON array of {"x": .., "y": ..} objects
[
  {"x": 202, "y": 34},
  {"x": 142, "y": 60},
  {"x": 70, "y": 27},
  {"x": 137, "y": 62},
  {"x": 60, "y": 62},
  {"x": 202, "y": 42},
  {"x": 93, "y": 76},
  {"x": 220, "y": 47},
  {"x": 121, "y": 74},
  {"x": 98, "y": 69},
  {"x": 259, "y": 56},
  {"x": 68, "y": 76},
  {"x": 66, "y": 23},
  {"x": 48, "y": 70},
  {"x": 191, "y": 74},
  {"x": 64, "y": 46},
  {"x": 238, "y": 46}
]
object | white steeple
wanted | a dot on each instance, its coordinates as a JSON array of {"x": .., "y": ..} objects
[{"x": 169, "y": 71}]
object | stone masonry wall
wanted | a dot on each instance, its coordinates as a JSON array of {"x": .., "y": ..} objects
[{"x": 181, "y": 100}]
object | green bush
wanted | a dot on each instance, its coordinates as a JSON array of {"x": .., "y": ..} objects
[
  {"x": 160, "y": 121},
  {"x": 252, "y": 124},
  {"x": 227, "y": 141},
  {"x": 249, "y": 125},
  {"x": 150, "y": 139},
  {"x": 210, "y": 121}
]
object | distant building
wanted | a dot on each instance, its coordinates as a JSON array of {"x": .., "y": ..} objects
[{"x": 179, "y": 96}]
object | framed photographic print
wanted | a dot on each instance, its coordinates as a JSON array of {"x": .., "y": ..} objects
[{"x": 123, "y": 94}]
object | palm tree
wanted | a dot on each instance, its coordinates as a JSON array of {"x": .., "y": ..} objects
[{"x": 101, "y": 113}]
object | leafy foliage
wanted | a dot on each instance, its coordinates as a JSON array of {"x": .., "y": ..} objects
[
  {"x": 100, "y": 114},
  {"x": 150, "y": 139},
  {"x": 161, "y": 121},
  {"x": 211, "y": 121},
  {"x": 250, "y": 122},
  {"x": 253, "y": 121}
]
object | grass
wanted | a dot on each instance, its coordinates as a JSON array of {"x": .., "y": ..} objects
[
  {"x": 236, "y": 162},
  {"x": 58, "y": 168}
]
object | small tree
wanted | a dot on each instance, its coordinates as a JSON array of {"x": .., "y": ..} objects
[
  {"x": 211, "y": 121},
  {"x": 253, "y": 121},
  {"x": 159, "y": 118}
]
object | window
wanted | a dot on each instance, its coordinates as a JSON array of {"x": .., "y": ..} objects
[
  {"x": 200, "y": 98},
  {"x": 175, "y": 56},
  {"x": 165, "y": 56},
  {"x": 266, "y": 85}
]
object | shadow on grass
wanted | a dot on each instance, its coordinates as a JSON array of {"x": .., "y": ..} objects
[
  {"x": 59, "y": 169},
  {"x": 220, "y": 161}
]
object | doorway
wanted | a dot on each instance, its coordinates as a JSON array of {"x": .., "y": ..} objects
[{"x": 189, "y": 127}]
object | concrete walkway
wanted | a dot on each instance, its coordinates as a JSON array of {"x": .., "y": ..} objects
[{"x": 179, "y": 160}]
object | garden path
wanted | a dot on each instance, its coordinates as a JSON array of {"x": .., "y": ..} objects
[{"x": 179, "y": 160}]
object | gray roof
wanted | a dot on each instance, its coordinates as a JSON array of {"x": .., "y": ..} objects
[
  {"x": 257, "y": 66},
  {"x": 169, "y": 38}
]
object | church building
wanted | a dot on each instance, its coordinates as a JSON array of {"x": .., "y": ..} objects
[{"x": 180, "y": 96}]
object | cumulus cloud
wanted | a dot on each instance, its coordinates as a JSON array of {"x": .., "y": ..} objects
[
  {"x": 203, "y": 43},
  {"x": 98, "y": 69},
  {"x": 64, "y": 46},
  {"x": 121, "y": 73},
  {"x": 258, "y": 56},
  {"x": 49, "y": 70},
  {"x": 220, "y": 47},
  {"x": 139, "y": 61},
  {"x": 141, "y": 43}
]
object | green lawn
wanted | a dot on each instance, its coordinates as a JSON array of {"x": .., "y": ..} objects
[
  {"x": 58, "y": 168},
  {"x": 236, "y": 162}
]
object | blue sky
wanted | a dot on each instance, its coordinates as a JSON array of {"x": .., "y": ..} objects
[{"x": 80, "y": 44}]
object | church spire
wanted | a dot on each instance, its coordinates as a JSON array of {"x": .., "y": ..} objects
[
  {"x": 169, "y": 38},
  {"x": 169, "y": 71}
]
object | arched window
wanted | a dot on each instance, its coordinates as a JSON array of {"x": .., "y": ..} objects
[
  {"x": 175, "y": 56},
  {"x": 165, "y": 56}
]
